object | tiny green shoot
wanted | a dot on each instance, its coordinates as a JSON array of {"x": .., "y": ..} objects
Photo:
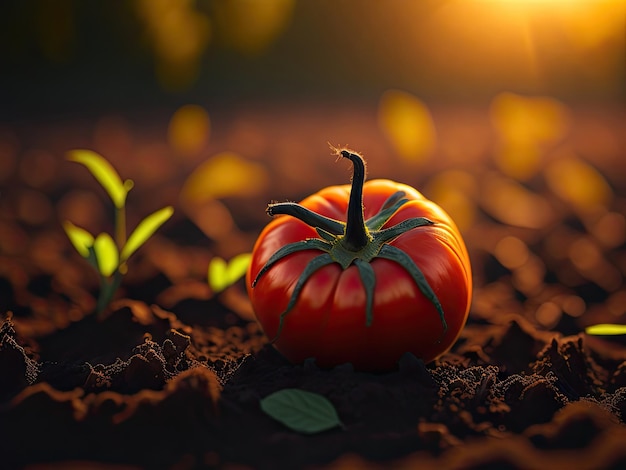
[
  {"x": 108, "y": 254},
  {"x": 301, "y": 411},
  {"x": 606, "y": 329},
  {"x": 222, "y": 274}
]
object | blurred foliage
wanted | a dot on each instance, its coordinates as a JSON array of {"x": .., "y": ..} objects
[
  {"x": 180, "y": 31},
  {"x": 178, "y": 35},
  {"x": 58, "y": 53},
  {"x": 250, "y": 26},
  {"x": 606, "y": 329},
  {"x": 222, "y": 274}
]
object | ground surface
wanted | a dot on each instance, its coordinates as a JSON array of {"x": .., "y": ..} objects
[{"x": 173, "y": 376}]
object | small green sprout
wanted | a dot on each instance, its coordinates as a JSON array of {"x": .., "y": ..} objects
[
  {"x": 107, "y": 255},
  {"x": 222, "y": 274},
  {"x": 606, "y": 329}
]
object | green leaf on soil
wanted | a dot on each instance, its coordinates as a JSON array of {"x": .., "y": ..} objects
[
  {"x": 301, "y": 411},
  {"x": 81, "y": 239},
  {"x": 144, "y": 230},
  {"x": 222, "y": 274},
  {"x": 606, "y": 329},
  {"x": 104, "y": 173},
  {"x": 106, "y": 254}
]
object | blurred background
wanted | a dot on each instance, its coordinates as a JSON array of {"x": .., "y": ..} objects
[
  {"x": 71, "y": 56},
  {"x": 509, "y": 113}
]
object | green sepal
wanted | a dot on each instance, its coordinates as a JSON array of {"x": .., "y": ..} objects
[
  {"x": 368, "y": 278},
  {"x": 316, "y": 263},
  {"x": 393, "y": 199},
  {"x": 389, "y": 208},
  {"x": 392, "y": 253},
  {"x": 388, "y": 234},
  {"x": 329, "y": 237},
  {"x": 308, "y": 244}
]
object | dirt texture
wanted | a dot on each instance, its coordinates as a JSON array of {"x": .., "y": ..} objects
[{"x": 173, "y": 375}]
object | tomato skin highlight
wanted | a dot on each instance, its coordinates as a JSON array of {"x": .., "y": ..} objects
[{"x": 328, "y": 320}]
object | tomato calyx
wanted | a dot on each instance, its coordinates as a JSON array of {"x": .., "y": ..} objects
[{"x": 354, "y": 242}]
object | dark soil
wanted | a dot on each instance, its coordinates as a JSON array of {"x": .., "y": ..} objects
[{"x": 172, "y": 377}]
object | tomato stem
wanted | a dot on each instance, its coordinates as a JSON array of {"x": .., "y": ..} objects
[{"x": 357, "y": 235}]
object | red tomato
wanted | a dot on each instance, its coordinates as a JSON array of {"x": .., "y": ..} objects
[{"x": 334, "y": 319}]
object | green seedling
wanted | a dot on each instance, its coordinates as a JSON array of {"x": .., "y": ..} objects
[
  {"x": 108, "y": 255},
  {"x": 606, "y": 329},
  {"x": 222, "y": 274}
]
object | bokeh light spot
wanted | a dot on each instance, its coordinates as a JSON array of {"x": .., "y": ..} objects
[
  {"x": 223, "y": 175},
  {"x": 408, "y": 125},
  {"x": 526, "y": 126},
  {"x": 529, "y": 277},
  {"x": 189, "y": 130},
  {"x": 179, "y": 35},
  {"x": 511, "y": 252},
  {"x": 513, "y": 204},
  {"x": 588, "y": 259},
  {"x": 548, "y": 315},
  {"x": 616, "y": 303},
  {"x": 610, "y": 229},
  {"x": 522, "y": 119},
  {"x": 38, "y": 168},
  {"x": 455, "y": 192},
  {"x": 34, "y": 207},
  {"x": 584, "y": 254},
  {"x": 250, "y": 26},
  {"x": 577, "y": 182},
  {"x": 573, "y": 305}
]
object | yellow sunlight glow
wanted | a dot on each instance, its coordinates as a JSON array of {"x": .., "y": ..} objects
[{"x": 532, "y": 44}]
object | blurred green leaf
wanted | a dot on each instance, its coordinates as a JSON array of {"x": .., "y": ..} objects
[
  {"x": 144, "y": 230},
  {"x": 606, "y": 329},
  {"x": 104, "y": 173},
  {"x": 301, "y": 411},
  {"x": 106, "y": 254},
  {"x": 222, "y": 274},
  {"x": 80, "y": 238}
]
